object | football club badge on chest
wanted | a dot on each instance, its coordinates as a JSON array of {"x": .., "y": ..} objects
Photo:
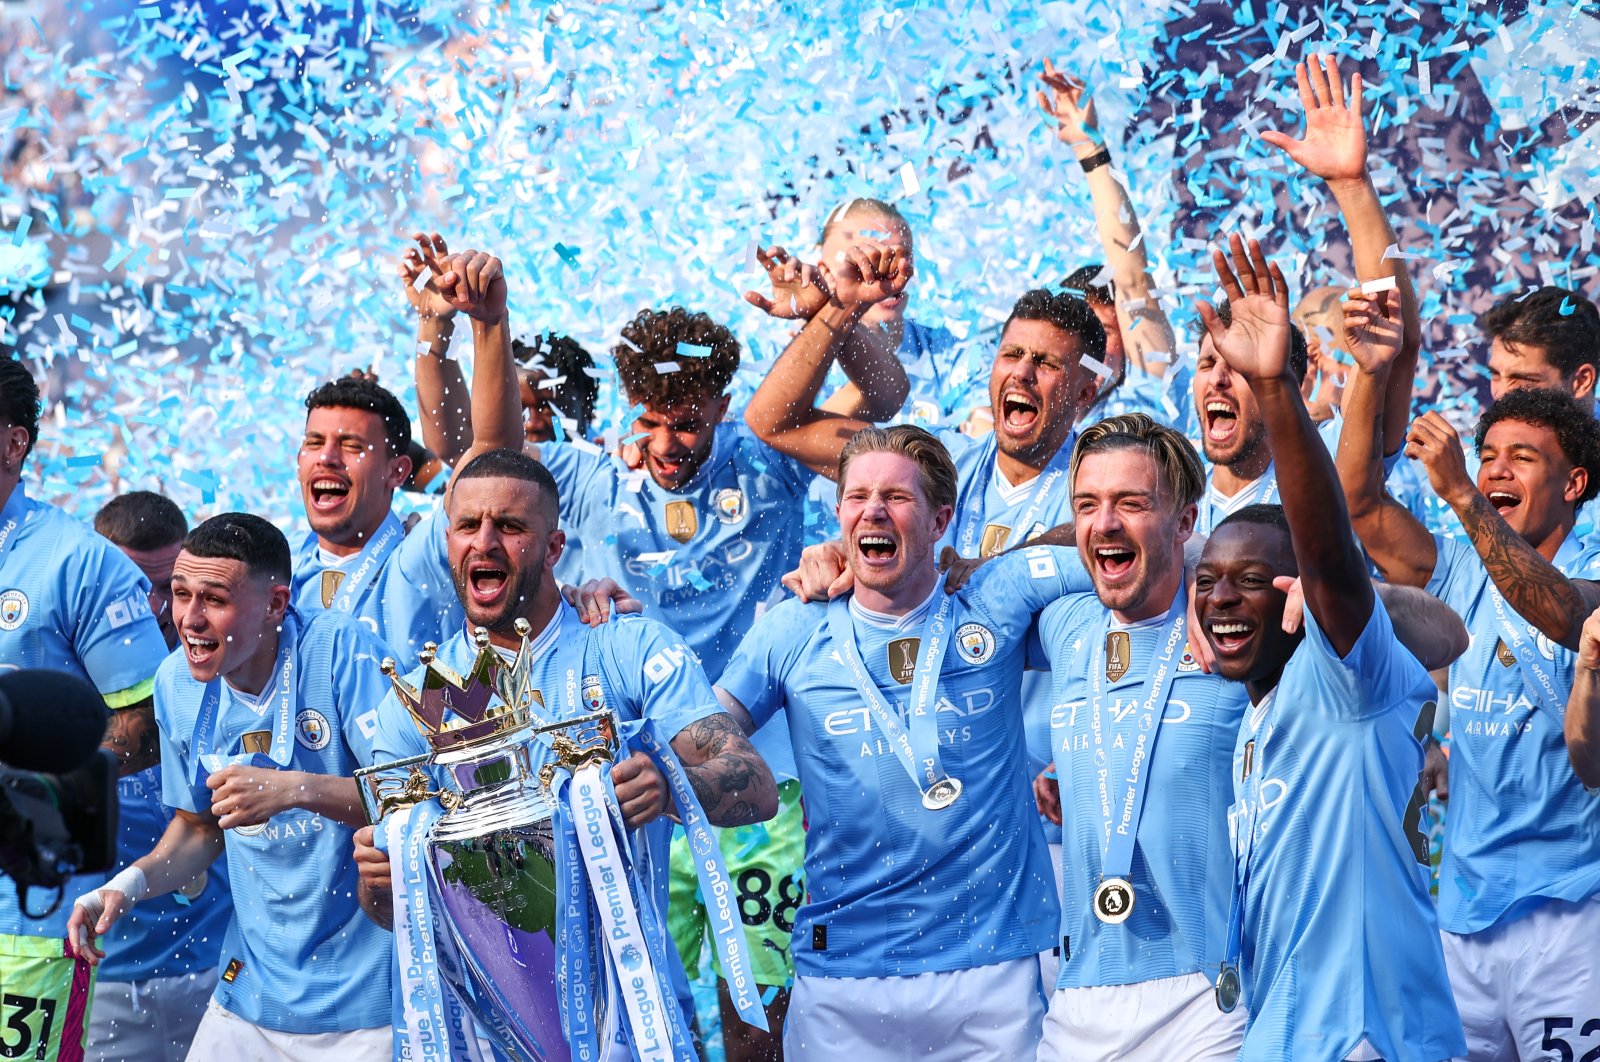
[
  {"x": 729, "y": 505},
  {"x": 1117, "y": 649},
  {"x": 682, "y": 520},
  {"x": 903, "y": 659},
  {"x": 13, "y": 609}
]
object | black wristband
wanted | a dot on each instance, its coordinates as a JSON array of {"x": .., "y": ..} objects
[{"x": 1095, "y": 161}]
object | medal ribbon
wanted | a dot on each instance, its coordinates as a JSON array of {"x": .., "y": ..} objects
[
  {"x": 353, "y": 589},
  {"x": 208, "y": 725},
  {"x": 1118, "y": 837},
  {"x": 1043, "y": 483},
  {"x": 1535, "y": 677},
  {"x": 716, "y": 885},
  {"x": 433, "y": 1025},
  {"x": 12, "y": 517},
  {"x": 918, "y": 747}
]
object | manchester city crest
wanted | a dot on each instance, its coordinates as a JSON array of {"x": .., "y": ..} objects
[
  {"x": 13, "y": 609},
  {"x": 593, "y": 699},
  {"x": 729, "y": 505},
  {"x": 975, "y": 643},
  {"x": 311, "y": 729},
  {"x": 1188, "y": 662}
]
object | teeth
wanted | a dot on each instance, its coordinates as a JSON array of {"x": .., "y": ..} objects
[
  {"x": 1230, "y": 628},
  {"x": 876, "y": 540},
  {"x": 1500, "y": 495},
  {"x": 1219, "y": 407},
  {"x": 199, "y": 643},
  {"x": 1113, "y": 551}
]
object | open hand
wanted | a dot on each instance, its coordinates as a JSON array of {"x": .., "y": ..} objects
[
  {"x": 427, "y": 255},
  {"x": 1070, "y": 104},
  {"x": 1335, "y": 143},
  {"x": 596, "y": 599},
  {"x": 1372, "y": 323},
  {"x": 1256, "y": 344}
]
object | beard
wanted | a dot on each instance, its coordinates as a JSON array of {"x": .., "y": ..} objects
[{"x": 522, "y": 586}]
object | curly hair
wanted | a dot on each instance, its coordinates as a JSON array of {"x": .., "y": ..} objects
[
  {"x": 561, "y": 355},
  {"x": 656, "y": 336},
  {"x": 19, "y": 399},
  {"x": 1562, "y": 323},
  {"x": 1575, "y": 428}
]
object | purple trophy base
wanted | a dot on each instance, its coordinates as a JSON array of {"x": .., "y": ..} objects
[{"x": 498, "y": 897}]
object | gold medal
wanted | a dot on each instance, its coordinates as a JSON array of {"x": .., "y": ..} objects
[
  {"x": 1113, "y": 901},
  {"x": 941, "y": 794}
]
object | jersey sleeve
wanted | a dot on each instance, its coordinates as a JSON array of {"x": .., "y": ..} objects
[
  {"x": 1024, "y": 581},
  {"x": 1451, "y": 559},
  {"x": 657, "y": 674},
  {"x": 424, "y": 554},
  {"x": 757, "y": 674},
  {"x": 578, "y": 469},
  {"x": 1050, "y": 643},
  {"x": 1377, "y": 674},
  {"x": 177, "y": 770},
  {"x": 115, "y": 636},
  {"x": 764, "y": 459},
  {"x": 363, "y": 690}
]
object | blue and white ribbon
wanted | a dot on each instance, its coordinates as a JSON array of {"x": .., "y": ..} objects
[{"x": 433, "y": 1025}]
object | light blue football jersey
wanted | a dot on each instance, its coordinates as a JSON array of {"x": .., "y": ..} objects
[
  {"x": 1182, "y": 873},
  {"x": 1521, "y": 828},
  {"x": 894, "y": 889},
  {"x": 1216, "y": 506},
  {"x": 702, "y": 559},
  {"x": 71, "y": 601},
  {"x": 399, "y": 585},
  {"x": 929, "y": 355},
  {"x": 649, "y": 672},
  {"x": 987, "y": 511},
  {"x": 299, "y": 955},
  {"x": 1165, "y": 398},
  {"x": 1340, "y": 939}
]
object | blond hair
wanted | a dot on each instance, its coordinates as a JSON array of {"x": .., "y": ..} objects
[
  {"x": 1172, "y": 452},
  {"x": 936, "y": 471}
]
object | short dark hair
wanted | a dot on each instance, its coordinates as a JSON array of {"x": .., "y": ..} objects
[
  {"x": 1260, "y": 515},
  {"x": 1562, "y": 323},
  {"x": 514, "y": 464},
  {"x": 1576, "y": 430},
  {"x": 561, "y": 355},
  {"x": 142, "y": 520},
  {"x": 1086, "y": 280},
  {"x": 243, "y": 537},
  {"x": 1068, "y": 313},
  {"x": 19, "y": 399},
  {"x": 861, "y": 205},
  {"x": 935, "y": 470},
  {"x": 354, "y": 392},
  {"x": 655, "y": 336},
  {"x": 1299, "y": 353}
]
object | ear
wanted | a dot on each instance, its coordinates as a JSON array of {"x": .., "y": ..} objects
[
  {"x": 1186, "y": 521},
  {"x": 722, "y": 408},
  {"x": 1583, "y": 382},
  {"x": 941, "y": 520},
  {"x": 278, "y": 601},
  {"x": 399, "y": 469},
  {"x": 1577, "y": 483},
  {"x": 554, "y": 546}
]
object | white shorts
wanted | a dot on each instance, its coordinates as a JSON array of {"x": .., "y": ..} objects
[
  {"x": 1050, "y": 961},
  {"x": 153, "y": 1020},
  {"x": 1525, "y": 986},
  {"x": 1161, "y": 1020},
  {"x": 986, "y": 1013},
  {"x": 225, "y": 1035}
]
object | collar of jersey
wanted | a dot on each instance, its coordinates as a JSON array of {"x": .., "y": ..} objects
[
  {"x": 1011, "y": 493},
  {"x": 1228, "y": 503},
  {"x": 1153, "y": 621},
  {"x": 894, "y": 623},
  {"x": 541, "y": 642}
]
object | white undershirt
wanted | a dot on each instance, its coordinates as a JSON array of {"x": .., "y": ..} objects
[{"x": 892, "y": 623}]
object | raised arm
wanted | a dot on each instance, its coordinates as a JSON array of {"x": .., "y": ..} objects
[
  {"x": 731, "y": 780},
  {"x": 1335, "y": 148},
  {"x": 1556, "y": 605},
  {"x": 784, "y": 412},
  {"x": 1256, "y": 346},
  {"x": 441, "y": 387},
  {"x": 1582, "y": 723},
  {"x": 473, "y": 283},
  {"x": 1396, "y": 540},
  {"x": 1147, "y": 336}
]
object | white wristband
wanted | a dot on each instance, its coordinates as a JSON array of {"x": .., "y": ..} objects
[{"x": 130, "y": 882}]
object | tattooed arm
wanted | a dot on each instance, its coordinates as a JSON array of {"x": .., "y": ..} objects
[
  {"x": 1554, "y": 604},
  {"x": 131, "y": 737},
  {"x": 733, "y": 783}
]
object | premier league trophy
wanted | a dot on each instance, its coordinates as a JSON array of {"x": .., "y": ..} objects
[{"x": 486, "y": 876}]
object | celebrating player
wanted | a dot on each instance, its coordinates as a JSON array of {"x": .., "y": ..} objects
[
  {"x": 1331, "y": 939},
  {"x": 264, "y": 716}
]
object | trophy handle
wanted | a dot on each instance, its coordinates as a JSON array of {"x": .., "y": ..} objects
[{"x": 382, "y": 793}]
